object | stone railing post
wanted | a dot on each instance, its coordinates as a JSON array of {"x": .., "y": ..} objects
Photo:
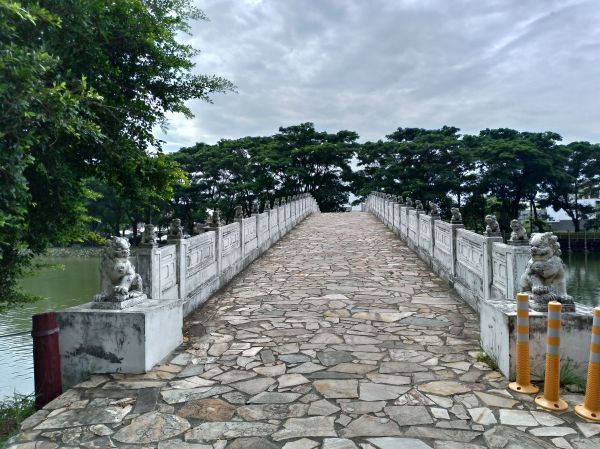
[
  {"x": 453, "y": 228},
  {"x": 255, "y": 216},
  {"x": 488, "y": 266},
  {"x": 516, "y": 261},
  {"x": 240, "y": 220},
  {"x": 216, "y": 227},
  {"x": 180, "y": 246}
]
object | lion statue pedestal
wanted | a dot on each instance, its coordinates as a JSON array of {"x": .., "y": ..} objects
[
  {"x": 545, "y": 275},
  {"x": 121, "y": 330}
]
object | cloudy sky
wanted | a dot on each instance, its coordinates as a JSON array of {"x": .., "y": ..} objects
[{"x": 373, "y": 65}]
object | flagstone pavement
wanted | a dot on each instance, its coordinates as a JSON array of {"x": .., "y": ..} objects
[{"x": 339, "y": 337}]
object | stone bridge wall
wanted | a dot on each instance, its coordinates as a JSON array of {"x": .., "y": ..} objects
[
  {"x": 463, "y": 258},
  {"x": 177, "y": 278},
  {"x": 192, "y": 269},
  {"x": 485, "y": 272}
]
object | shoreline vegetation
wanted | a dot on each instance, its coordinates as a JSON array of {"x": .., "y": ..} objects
[
  {"x": 13, "y": 411},
  {"x": 74, "y": 251}
]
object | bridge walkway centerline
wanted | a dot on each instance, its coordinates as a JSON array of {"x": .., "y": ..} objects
[{"x": 339, "y": 336}]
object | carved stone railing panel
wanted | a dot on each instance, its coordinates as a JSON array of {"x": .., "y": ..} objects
[
  {"x": 413, "y": 226},
  {"x": 404, "y": 222},
  {"x": 249, "y": 229},
  {"x": 288, "y": 216},
  {"x": 500, "y": 270},
  {"x": 200, "y": 261},
  {"x": 262, "y": 223},
  {"x": 509, "y": 262},
  {"x": 396, "y": 217},
  {"x": 426, "y": 234},
  {"x": 281, "y": 219},
  {"x": 230, "y": 238},
  {"x": 470, "y": 249},
  {"x": 167, "y": 269},
  {"x": 250, "y": 235},
  {"x": 443, "y": 248},
  {"x": 273, "y": 223}
]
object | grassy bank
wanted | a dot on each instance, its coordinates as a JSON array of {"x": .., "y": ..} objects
[
  {"x": 75, "y": 251},
  {"x": 12, "y": 413}
]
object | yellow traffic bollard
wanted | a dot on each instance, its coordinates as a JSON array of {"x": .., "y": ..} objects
[
  {"x": 523, "y": 382},
  {"x": 590, "y": 409},
  {"x": 551, "y": 400}
]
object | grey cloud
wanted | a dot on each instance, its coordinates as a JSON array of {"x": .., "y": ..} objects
[{"x": 373, "y": 65}]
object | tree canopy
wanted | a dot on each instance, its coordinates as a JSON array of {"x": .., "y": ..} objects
[
  {"x": 82, "y": 86},
  {"x": 497, "y": 171},
  {"x": 296, "y": 160}
]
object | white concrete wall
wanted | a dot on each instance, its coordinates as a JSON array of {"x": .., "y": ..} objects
[{"x": 131, "y": 340}]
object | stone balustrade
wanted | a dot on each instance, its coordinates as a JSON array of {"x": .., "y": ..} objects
[
  {"x": 485, "y": 272},
  {"x": 192, "y": 269},
  {"x": 462, "y": 257},
  {"x": 176, "y": 278}
]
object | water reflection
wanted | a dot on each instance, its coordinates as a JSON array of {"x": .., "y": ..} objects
[
  {"x": 75, "y": 284},
  {"x": 584, "y": 277}
]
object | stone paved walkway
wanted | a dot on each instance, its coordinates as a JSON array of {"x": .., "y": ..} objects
[{"x": 339, "y": 337}]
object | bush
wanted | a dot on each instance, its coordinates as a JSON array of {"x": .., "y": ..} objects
[{"x": 12, "y": 413}]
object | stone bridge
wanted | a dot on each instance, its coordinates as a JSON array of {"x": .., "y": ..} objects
[{"x": 338, "y": 337}]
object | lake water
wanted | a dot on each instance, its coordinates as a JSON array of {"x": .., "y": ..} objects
[
  {"x": 79, "y": 281},
  {"x": 75, "y": 284},
  {"x": 584, "y": 277}
]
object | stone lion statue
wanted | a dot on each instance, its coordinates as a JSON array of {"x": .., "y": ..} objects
[
  {"x": 119, "y": 279},
  {"x": 546, "y": 275},
  {"x": 518, "y": 233},
  {"x": 456, "y": 215},
  {"x": 216, "y": 217},
  {"x": 434, "y": 209},
  {"x": 175, "y": 229},
  {"x": 238, "y": 213},
  {"x": 149, "y": 235},
  {"x": 418, "y": 205},
  {"x": 492, "y": 228}
]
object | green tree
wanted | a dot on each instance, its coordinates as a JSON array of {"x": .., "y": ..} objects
[
  {"x": 144, "y": 198},
  {"x": 513, "y": 166},
  {"x": 564, "y": 191},
  {"x": 83, "y": 84},
  {"x": 42, "y": 119},
  {"x": 429, "y": 165},
  {"x": 304, "y": 160},
  {"x": 297, "y": 160},
  {"x": 221, "y": 177}
]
